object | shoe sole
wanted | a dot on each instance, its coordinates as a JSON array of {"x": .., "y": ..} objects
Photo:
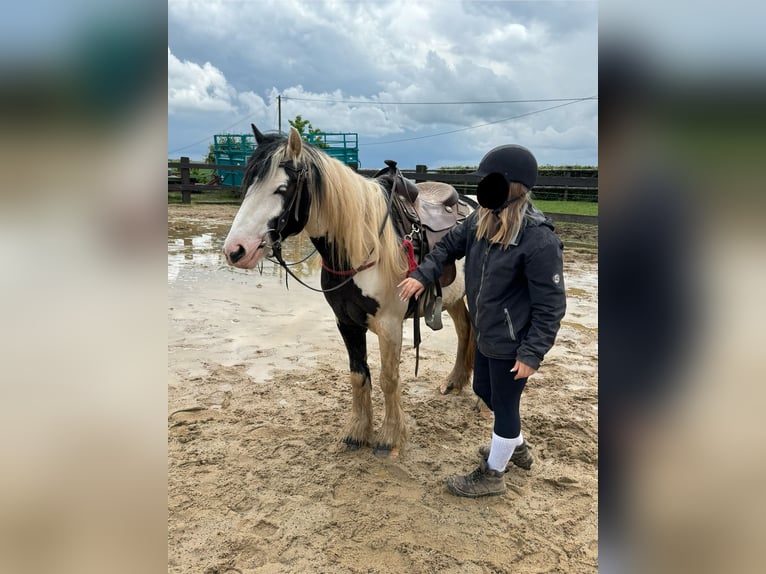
[{"x": 457, "y": 492}]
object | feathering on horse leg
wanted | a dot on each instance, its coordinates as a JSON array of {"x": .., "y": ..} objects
[
  {"x": 359, "y": 428},
  {"x": 393, "y": 432},
  {"x": 461, "y": 371}
]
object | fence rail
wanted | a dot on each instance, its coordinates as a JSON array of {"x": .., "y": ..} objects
[{"x": 547, "y": 187}]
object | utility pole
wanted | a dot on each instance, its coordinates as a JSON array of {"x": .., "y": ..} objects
[{"x": 279, "y": 112}]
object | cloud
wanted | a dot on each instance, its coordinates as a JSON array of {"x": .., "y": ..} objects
[
  {"x": 243, "y": 55},
  {"x": 192, "y": 87}
]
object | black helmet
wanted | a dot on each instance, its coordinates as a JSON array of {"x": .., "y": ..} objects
[{"x": 512, "y": 163}]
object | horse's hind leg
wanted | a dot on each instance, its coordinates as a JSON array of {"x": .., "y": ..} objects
[
  {"x": 359, "y": 429},
  {"x": 461, "y": 372}
]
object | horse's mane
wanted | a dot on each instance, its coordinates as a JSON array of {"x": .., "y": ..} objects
[{"x": 351, "y": 207}]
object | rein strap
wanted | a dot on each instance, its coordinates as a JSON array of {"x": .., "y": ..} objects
[{"x": 347, "y": 271}]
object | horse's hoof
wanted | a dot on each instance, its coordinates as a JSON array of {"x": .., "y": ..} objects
[
  {"x": 353, "y": 444},
  {"x": 446, "y": 389},
  {"x": 385, "y": 451}
]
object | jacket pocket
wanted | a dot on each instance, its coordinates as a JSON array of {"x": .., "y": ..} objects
[{"x": 511, "y": 331}]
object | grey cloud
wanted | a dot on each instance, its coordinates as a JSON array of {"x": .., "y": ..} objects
[{"x": 394, "y": 51}]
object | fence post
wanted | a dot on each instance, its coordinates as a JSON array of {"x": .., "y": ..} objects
[
  {"x": 420, "y": 169},
  {"x": 185, "y": 181}
]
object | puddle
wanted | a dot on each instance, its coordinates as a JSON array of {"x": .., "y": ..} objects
[
  {"x": 192, "y": 251},
  {"x": 195, "y": 247},
  {"x": 227, "y": 316},
  {"x": 235, "y": 316}
]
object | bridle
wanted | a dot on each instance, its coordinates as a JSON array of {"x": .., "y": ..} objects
[{"x": 299, "y": 174}]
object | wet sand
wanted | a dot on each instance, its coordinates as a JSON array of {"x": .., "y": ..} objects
[{"x": 258, "y": 396}]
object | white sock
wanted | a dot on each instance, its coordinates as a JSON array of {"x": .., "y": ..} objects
[{"x": 500, "y": 451}]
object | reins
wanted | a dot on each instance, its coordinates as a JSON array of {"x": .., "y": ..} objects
[{"x": 348, "y": 271}]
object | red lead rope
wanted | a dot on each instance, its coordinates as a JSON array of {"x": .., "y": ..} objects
[{"x": 407, "y": 245}]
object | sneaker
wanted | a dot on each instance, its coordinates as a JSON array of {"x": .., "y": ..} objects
[
  {"x": 481, "y": 482},
  {"x": 521, "y": 456}
]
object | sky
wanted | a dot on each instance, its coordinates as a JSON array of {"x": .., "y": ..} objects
[{"x": 399, "y": 73}]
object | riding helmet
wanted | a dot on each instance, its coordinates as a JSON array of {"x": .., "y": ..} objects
[{"x": 501, "y": 166}]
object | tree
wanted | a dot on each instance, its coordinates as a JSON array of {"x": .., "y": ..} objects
[
  {"x": 300, "y": 124},
  {"x": 305, "y": 128}
]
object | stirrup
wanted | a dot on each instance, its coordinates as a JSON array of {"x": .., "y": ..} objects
[{"x": 433, "y": 314}]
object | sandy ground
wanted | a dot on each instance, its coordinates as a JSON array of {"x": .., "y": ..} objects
[{"x": 258, "y": 395}]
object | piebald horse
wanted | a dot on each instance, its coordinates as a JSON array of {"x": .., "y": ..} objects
[{"x": 290, "y": 186}]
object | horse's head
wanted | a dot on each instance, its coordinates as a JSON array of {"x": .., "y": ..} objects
[{"x": 275, "y": 203}]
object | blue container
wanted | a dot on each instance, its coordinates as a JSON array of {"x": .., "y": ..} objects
[
  {"x": 236, "y": 149},
  {"x": 232, "y": 149},
  {"x": 342, "y": 146}
]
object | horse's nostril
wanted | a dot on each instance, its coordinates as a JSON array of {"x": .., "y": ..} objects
[{"x": 237, "y": 255}]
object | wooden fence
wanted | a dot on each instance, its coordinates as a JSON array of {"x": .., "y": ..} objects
[{"x": 563, "y": 186}]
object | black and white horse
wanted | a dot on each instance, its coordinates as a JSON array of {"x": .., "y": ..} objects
[{"x": 289, "y": 187}]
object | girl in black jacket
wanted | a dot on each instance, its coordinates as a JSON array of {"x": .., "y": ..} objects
[{"x": 516, "y": 300}]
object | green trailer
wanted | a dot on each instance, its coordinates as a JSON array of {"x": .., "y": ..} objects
[
  {"x": 232, "y": 149},
  {"x": 236, "y": 149},
  {"x": 342, "y": 146}
]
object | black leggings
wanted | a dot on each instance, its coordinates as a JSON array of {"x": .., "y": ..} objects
[{"x": 493, "y": 381}]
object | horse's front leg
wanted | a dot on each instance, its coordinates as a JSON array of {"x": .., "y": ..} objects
[
  {"x": 359, "y": 429},
  {"x": 393, "y": 432}
]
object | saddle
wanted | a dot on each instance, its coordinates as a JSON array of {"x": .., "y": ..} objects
[{"x": 423, "y": 213}]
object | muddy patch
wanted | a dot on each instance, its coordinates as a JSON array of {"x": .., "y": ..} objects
[{"x": 258, "y": 395}]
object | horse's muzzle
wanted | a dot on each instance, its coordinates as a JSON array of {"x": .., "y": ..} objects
[{"x": 244, "y": 257}]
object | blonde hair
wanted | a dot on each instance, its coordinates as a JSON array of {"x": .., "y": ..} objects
[{"x": 504, "y": 227}]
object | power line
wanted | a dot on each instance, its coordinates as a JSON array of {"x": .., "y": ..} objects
[
  {"x": 569, "y": 103},
  {"x": 248, "y": 116},
  {"x": 381, "y": 103}
]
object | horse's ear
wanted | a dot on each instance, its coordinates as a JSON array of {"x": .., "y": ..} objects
[
  {"x": 259, "y": 137},
  {"x": 294, "y": 144}
]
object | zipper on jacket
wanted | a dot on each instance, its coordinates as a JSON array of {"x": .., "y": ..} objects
[
  {"x": 478, "y": 293},
  {"x": 510, "y": 323},
  {"x": 481, "y": 285}
]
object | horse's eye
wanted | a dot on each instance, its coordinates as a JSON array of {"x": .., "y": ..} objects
[{"x": 282, "y": 189}]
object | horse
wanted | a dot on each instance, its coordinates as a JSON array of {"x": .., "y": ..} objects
[{"x": 291, "y": 187}]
